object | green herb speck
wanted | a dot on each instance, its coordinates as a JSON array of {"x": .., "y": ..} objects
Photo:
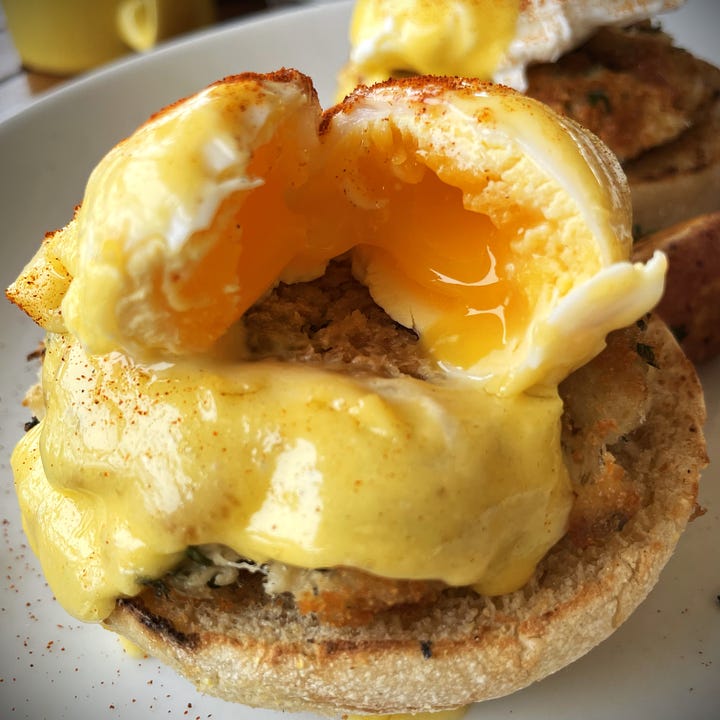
[
  {"x": 647, "y": 354},
  {"x": 597, "y": 97}
]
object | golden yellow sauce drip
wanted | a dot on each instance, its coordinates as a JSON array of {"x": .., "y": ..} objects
[
  {"x": 429, "y": 37},
  {"x": 131, "y": 464},
  {"x": 131, "y": 649}
]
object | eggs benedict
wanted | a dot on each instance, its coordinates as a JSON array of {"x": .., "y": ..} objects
[
  {"x": 488, "y": 39},
  {"x": 325, "y": 395}
]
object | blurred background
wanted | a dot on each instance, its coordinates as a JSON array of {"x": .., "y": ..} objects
[{"x": 46, "y": 42}]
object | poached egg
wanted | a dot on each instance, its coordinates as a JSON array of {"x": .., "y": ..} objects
[{"x": 488, "y": 39}]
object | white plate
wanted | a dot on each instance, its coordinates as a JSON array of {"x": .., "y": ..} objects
[{"x": 663, "y": 663}]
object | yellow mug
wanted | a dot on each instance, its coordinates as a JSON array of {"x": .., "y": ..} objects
[{"x": 68, "y": 36}]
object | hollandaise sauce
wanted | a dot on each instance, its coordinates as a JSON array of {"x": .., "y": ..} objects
[
  {"x": 404, "y": 479},
  {"x": 427, "y": 37}
]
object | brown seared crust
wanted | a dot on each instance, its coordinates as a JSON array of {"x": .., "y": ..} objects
[
  {"x": 630, "y": 86},
  {"x": 596, "y": 420},
  {"x": 257, "y": 650},
  {"x": 679, "y": 180},
  {"x": 346, "y": 596},
  {"x": 691, "y": 303},
  {"x": 656, "y": 106},
  {"x": 334, "y": 321}
]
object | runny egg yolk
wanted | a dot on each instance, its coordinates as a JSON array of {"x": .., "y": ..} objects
[
  {"x": 475, "y": 218},
  {"x": 249, "y": 242},
  {"x": 459, "y": 261}
]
